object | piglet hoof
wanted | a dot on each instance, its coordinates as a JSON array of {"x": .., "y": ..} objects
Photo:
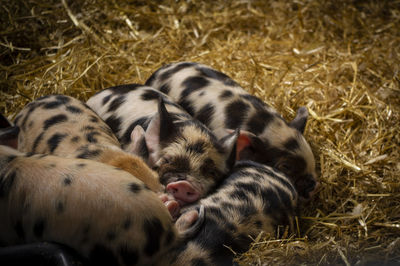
[
  {"x": 171, "y": 204},
  {"x": 173, "y": 208}
]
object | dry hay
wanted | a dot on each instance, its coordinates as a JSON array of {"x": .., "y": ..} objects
[{"x": 339, "y": 58}]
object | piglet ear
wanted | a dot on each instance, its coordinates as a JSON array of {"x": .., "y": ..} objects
[
  {"x": 300, "y": 121},
  {"x": 190, "y": 222},
  {"x": 160, "y": 130},
  {"x": 9, "y": 136},
  {"x": 8, "y": 133},
  {"x": 229, "y": 142},
  {"x": 248, "y": 145},
  {"x": 137, "y": 144},
  {"x": 4, "y": 123},
  {"x": 167, "y": 128}
]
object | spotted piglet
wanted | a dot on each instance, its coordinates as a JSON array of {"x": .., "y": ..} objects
[
  {"x": 221, "y": 104},
  {"x": 190, "y": 160},
  {"x": 102, "y": 212},
  {"x": 254, "y": 198},
  {"x": 66, "y": 127}
]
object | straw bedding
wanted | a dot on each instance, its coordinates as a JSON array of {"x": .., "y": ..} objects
[{"x": 339, "y": 58}]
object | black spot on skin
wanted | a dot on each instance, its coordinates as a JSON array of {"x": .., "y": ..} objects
[
  {"x": 154, "y": 231},
  {"x": 30, "y": 125},
  {"x": 116, "y": 103},
  {"x": 215, "y": 199},
  {"x": 239, "y": 194},
  {"x": 75, "y": 139},
  {"x": 62, "y": 98},
  {"x": 215, "y": 211},
  {"x": 52, "y": 165},
  {"x": 6, "y": 183},
  {"x": 165, "y": 88},
  {"x": 88, "y": 128},
  {"x": 126, "y": 137},
  {"x": 101, "y": 255},
  {"x": 52, "y": 105},
  {"x": 285, "y": 182},
  {"x": 54, "y": 120},
  {"x": 67, "y": 181},
  {"x": 271, "y": 201},
  {"x": 205, "y": 114},
  {"x": 259, "y": 121},
  {"x": 31, "y": 108},
  {"x": 10, "y": 158},
  {"x": 167, "y": 74},
  {"x": 60, "y": 207},
  {"x": 226, "y": 94},
  {"x": 37, "y": 141},
  {"x": 193, "y": 84},
  {"x": 135, "y": 188},
  {"x": 129, "y": 256},
  {"x": 178, "y": 164},
  {"x": 91, "y": 136},
  {"x": 247, "y": 209},
  {"x": 114, "y": 123},
  {"x": 209, "y": 170},
  {"x": 123, "y": 89},
  {"x": 86, "y": 154},
  {"x": 94, "y": 119},
  {"x": 198, "y": 262},
  {"x": 291, "y": 144},
  {"x": 150, "y": 80},
  {"x": 149, "y": 95},
  {"x": 29, "y": 154},
  {"x": 106, "y": 99},
  {"x": 187, "y": 105},
  {"x": 211, "y": 73},
  {"x": 74, "y": 109},
  {"x": 80, "y": 165},
  {"x": 19, "y": 229},
  {"x": 236, "y": 113},
  {"x": 256, "y": 102},
  {"x": 227, "y": 205},
  {"x": 127, "y": 224},
  {"x": 55, "y": 140},
  {"x": 249, "y": 187},
  {"x": 197, "y": 147},
  {"x": 38, "y": 228}
]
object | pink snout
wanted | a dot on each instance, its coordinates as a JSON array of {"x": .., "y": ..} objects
[{"x": 183, "y": 192}]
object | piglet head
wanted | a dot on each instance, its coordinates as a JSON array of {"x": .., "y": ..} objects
[{"x": 189, "y": 159}]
